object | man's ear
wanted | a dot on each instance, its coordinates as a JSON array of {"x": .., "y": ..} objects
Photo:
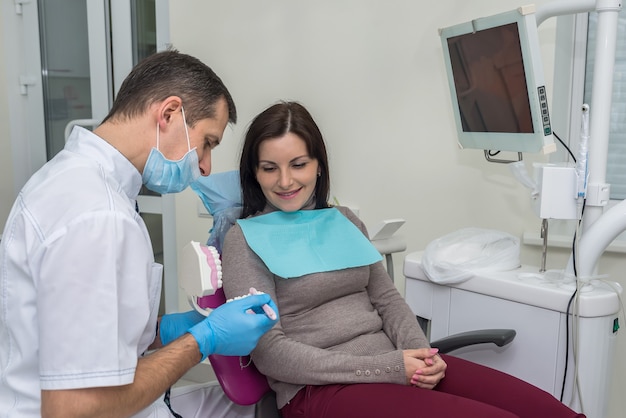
[{"x": 167, "y": 109}]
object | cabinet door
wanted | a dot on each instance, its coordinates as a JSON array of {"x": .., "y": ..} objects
[{"x": 532, "y": 356}]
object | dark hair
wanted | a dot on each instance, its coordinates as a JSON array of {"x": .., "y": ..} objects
[
  {"x": 171, "y": 73},
  {"x": 274, "y": 122}
]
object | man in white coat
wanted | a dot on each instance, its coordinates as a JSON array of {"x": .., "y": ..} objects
[{"x": 79, "y": 288}]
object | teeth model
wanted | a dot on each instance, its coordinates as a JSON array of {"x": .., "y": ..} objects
[{"x": 199, "y": 272}]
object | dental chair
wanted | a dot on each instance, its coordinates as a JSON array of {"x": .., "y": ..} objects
[
  {"x": 239, "y": 378},
  {"x": 245, "y": 385}
]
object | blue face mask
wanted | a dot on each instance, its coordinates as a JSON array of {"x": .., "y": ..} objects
[{"x": 167, "y": 176}]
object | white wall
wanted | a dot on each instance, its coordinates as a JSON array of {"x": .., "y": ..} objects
[{"x": 371, "y": 73}]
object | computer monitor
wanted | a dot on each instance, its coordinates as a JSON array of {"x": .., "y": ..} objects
[{"x": 496, "y": 82}]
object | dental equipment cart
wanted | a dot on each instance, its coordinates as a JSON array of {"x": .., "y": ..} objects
[{"x": 535, "y": 309}]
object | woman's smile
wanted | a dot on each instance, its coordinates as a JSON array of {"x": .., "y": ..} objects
[{"x": 286, "y": 173}]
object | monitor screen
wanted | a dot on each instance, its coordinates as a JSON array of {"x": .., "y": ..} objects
[{"x": 496, "y": 82}]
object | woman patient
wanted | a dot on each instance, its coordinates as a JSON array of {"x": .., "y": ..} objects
[{"x": 346, "y": 343}]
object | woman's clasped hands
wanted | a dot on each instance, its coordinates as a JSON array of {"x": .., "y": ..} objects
[{"x": 424, "y": 367}]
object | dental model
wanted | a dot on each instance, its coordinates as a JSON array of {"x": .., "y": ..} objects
[
  {"x": 199, "y": 273},
  {"x": 266, "y": 308}
]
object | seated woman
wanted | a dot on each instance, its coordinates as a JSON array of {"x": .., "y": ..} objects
[{"x": 346, "y": 344}]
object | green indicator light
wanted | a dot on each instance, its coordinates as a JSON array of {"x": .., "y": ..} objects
[{"x": 615, "y": 325}]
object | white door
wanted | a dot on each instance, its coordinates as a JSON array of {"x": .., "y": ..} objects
[{"x": 72, "y": 58}]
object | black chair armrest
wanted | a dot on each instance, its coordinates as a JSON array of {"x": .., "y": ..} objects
[{"x": 499, "y": 337}]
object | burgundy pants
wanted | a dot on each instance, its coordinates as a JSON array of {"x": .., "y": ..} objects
[{"x": 468, "y": 390}]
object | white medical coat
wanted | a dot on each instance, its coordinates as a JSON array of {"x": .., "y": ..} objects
[{"x": 79, "y": 288}]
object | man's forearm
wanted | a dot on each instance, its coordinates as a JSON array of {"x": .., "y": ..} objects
[{"x": 154, "y": 374}]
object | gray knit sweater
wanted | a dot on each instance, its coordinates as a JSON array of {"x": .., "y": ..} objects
[{"x": 345, "y": 326}]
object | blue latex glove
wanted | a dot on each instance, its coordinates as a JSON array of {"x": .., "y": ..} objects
[
  {"x": 230, "y": 331},
  {"x": 174, "y": 325}
]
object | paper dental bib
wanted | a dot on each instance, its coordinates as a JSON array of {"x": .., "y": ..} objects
[{"x": 293, "y": 244}]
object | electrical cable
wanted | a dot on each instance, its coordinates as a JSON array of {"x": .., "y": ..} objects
[
  {"x": 493, "y": 153},
  {"x": 572, "y": 298},
  {"x": 574, "y": 304},
  {"x": 569, "y": 304},
  {"x": 566, "y": 147},
  {"x": 575, "y": 309}
]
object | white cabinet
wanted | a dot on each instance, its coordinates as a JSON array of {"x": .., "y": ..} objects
[{"x": 535, "y": 309}]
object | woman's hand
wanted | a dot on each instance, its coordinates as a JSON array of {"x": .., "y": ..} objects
[{"x": 424, "y": 367}]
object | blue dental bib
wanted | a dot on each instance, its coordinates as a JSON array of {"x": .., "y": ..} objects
[{"x": 293, "y": 244}]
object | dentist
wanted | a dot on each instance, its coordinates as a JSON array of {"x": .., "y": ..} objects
[{"x": 79, "y": 288}]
